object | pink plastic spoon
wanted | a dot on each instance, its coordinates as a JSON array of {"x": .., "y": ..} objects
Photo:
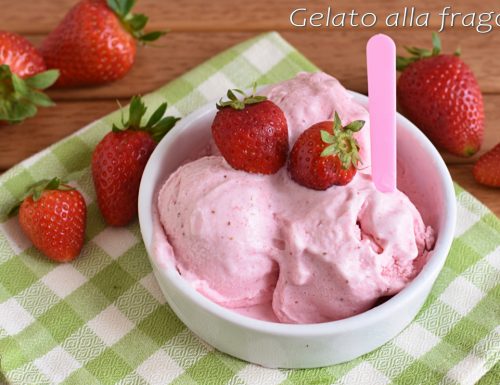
[{"x": 381, "y": 63}]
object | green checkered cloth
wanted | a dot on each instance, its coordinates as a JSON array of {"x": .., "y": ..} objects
[{"x": 102, "y": 318}]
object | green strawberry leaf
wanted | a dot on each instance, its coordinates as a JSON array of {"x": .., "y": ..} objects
[
  {"x": 157, "y": 115},
  {"x": 53, "y": 184},
  {"x": 19, "y": 85},
  {"x": 21, "y": 110},
  {"x": 342, "y": 142},
  {"x": 138, "y": 21},
  {"x": 157, "y": 125},
  {"x": 121, "y": 7},
  {"x": 238, "y": 104},
  {"x": 19, "y": 97},
  {"x": 420, "y": 53},
  {"x": 133, "y": 23},
  {"x": 402, "y": 62},
  {"x": 166, "y": 123},
  {"x": 163, "y": 127},
  {"x": 436, "y": 44},
  {"x": 337, "y": 123},
  {"x": 36, "y": 190},
  {"x": 137, "y": 110},
  {"x": 355, "y": 126},
  {"x": 5, "y": 72},
  {"x": 330, "y": 150},
  {"x": 152, "y": 36},
  {"x": 126, "y": 6},
  {"x": 42, "y": 80},
  {"x": 254, "y": 99},
  {"x": 40, "y": 99},
  {"x": 231, "y": 95},
  {"x": 327, "y": 137},
  {"x": 114, "y": 5}
]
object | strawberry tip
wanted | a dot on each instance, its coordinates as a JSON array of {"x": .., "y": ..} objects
[{"x": 470, "y": 150}]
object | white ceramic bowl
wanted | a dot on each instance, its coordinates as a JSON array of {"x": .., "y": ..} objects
[{"x": 313, "y": 345}]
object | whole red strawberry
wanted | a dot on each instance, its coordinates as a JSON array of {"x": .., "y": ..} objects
[
  {"x": 96, "y": 42},
  {"x": 440, "y": 94},
  {"x": 325, "y": 154},
  {"x": 22, "y": 76},
  {"x": 487, "y": 168},
  {"x": 53, "y": 216},
  {"x": 252, "y": 134},
  {"x": 119, "y": 160},
  {"x": 20, "y": 55}
]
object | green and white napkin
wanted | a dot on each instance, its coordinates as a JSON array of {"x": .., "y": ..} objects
[{"x": 103, "y": 320}]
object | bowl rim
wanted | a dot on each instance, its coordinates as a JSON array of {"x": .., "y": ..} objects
[{"x": 423, "y": 280}]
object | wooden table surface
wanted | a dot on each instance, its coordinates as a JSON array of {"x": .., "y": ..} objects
[{"x": 201, "y": 29}]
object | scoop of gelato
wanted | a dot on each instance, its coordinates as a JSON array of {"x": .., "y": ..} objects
[
  {"x": 245, "y": 239},
  {"x": 212, "y": 215}
]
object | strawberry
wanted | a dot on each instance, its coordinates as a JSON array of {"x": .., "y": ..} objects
[
  {"x": 119, "y": 160},
  {"x": 251, "y": 134},
  {"x": 20, "y": 55},
  {"x": 96, "y": 42},
  {"x": 440, "y": 94},
  {"x": 487, "y": 168},
  {"x": 322, "y": 157},
  {"x": 22, "y": 76},
  {"x": 53, "y": 216}
]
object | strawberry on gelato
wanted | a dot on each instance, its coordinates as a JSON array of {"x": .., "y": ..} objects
[
  {"x": 251, "y": 241},
  {"x": 310, "y": 98}
]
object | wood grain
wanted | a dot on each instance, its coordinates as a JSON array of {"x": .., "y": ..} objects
[
  {"x": 20, "y": 141},
  {"x": 462, "y": 174},
  {"x": 35, "y": 17}
]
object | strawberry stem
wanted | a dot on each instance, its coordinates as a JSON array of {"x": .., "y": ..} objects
[
  {"x": 19, "y": 98},
  {"x": 421, "y": 53},
  {"x": 238, "y": 104},
  {"x": 342, "y": 142},
  {"x": 133, "y": 23},
  {"x": 157, "y": 125}
]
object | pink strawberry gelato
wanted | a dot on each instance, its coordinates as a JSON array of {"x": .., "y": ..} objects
[{"x": 262, "y": 242}]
